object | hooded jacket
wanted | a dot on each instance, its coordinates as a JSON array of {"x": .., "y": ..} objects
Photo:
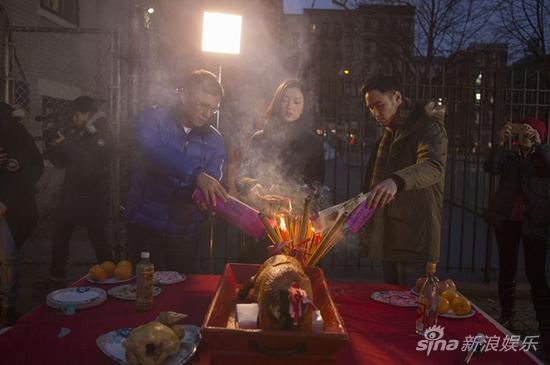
[
  {"x": 167, "y": 163},
  {"x": 21, "y": 172},
  {"x": 86, "y": 155},
  {"x": 409, "y": 227}
]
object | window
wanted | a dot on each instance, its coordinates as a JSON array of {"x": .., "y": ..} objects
[
  {"x": 54, "y": 105},
  {"x": 66, "y": 9},
  {"x": 22, "y": 94}
]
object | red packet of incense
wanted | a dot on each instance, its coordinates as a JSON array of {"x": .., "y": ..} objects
[
  {"x": 359, "y": 217},
  {"x": 236, "y": 213}
]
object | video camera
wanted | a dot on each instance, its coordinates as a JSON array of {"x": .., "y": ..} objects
[{"x": 52, "y": 123}]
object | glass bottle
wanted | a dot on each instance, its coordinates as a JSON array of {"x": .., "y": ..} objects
[
  {"x": 145, "y": 271},
  {"x": 428, "y": 301}
]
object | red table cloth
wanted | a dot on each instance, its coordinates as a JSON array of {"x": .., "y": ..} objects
[{"x": 378, "y": 333}]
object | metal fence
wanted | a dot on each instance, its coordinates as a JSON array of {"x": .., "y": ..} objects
[{"x": 475, "y": 114}]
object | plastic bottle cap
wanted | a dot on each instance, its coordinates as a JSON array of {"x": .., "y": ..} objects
[{"x": 145, "y": 255}]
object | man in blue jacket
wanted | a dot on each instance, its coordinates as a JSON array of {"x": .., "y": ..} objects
[{"x": 177, "y": 150}]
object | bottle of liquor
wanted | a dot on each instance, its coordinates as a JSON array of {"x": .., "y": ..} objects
[
  {"x": 427, "y": 301},
  {"x": 145, "y": 271}
]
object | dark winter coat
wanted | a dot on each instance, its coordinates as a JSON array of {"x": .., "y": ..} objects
[
  {"x": 284, "y": 153},
  {"x": 86, "y": 158},
  {"x": 530, "y": 176},
  {"x": 409, "y": 227},
  {"x": 20, "y": 174},
  {"x": 167, "y": 163}
]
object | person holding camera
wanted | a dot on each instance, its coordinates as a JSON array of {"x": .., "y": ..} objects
[
  {"x": 21, "y": 166},
  {"x": 85, "y": 151},
  {"x": 520, "y": 210}
]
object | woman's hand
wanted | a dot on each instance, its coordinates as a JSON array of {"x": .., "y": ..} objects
[
  {"x": 505, "y": 133},
  {"x": 532, "y": 134}
]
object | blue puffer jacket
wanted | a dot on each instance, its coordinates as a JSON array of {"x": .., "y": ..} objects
[{"x": 165, "y": 170}]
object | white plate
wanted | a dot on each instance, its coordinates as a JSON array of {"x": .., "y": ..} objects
[
  {"x": 110, "y": 280},
  {"x": 168, "y": 277},
  {"x": 111, "y": 345},
  {"x": 80, "y": 297},
  {"x": 128, "y": 291},
  {"x": 399, "y": 298},
  {"x": 451, "y": 314}
]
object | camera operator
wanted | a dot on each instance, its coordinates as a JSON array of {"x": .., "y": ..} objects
[
  {"x": 84, "y": 149},
  {"x": 520, "y": 209},
  {"x": 21, "y": 166}
]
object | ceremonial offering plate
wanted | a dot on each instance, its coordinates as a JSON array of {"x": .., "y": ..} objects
[
  {"x": 168, "y": 277},
  {"x": 110, "y": 280},
  {"x": 128, "y": 291},
  {"x": 79, "y": 297},
  {"x": 451, "y": 314},
  {"x": 111, "y": 345},
  {"x": 400, "y": 298}
]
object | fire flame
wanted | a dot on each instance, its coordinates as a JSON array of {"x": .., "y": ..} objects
[{"x": 282, "y": 224}]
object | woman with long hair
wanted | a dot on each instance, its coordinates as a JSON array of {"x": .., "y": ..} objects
[{"x": 286, "y": 156}]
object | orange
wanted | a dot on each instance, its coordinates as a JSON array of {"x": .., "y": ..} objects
[
  {"x": 461, "y": 306},
  {"x": 123, "y": 272},
  {"x": 451, "y": 285},
  {"x": 97, "y": 273},
  {"x": 124, "y": 263},
  {"x": 109, "y": 267},
  {"x": 450, "y": 295},
  {"x": 443, "y": 306}
]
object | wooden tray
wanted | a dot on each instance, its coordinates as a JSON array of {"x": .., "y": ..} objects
[{"x": 225, "y": 339}]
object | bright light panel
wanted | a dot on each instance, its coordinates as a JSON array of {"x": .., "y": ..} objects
[{"x": 221, "y": 33}]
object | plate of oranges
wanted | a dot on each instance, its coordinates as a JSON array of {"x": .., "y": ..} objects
[
  {"x": 451, "y": 303},
  {"x": 109, "y": 273}
]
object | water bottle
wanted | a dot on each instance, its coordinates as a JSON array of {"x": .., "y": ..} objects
[{"x": 145, "y": 271}]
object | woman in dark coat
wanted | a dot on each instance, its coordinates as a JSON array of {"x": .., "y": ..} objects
[
  {"x": 286, "y": 155},
  {"x": 520, "y": 210}
]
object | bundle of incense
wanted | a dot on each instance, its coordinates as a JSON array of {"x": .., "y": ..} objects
[
  {"x": 328, "y": 241},
  {"x": 304, "y": 222},
  {"x": 271, "y": 233},
  {"x": 235, "y": 212}
]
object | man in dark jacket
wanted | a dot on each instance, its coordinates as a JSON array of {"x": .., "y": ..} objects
[
  {"x": 85, "y": 152},
  {"x": 405, "y": 176},
  {"x": 176, "y": 151},
  {"x": 21, "y": 166}
]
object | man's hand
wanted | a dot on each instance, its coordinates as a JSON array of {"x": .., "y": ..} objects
[
  {"x": 57, "y": 141},
  {"x": 3, "y": 209},
  {"x": 3, "y": 157},
  {"x": 505, "y": 133},
  {"x": 210, "y": 187},
  {"x": 381, "y": 194}
]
